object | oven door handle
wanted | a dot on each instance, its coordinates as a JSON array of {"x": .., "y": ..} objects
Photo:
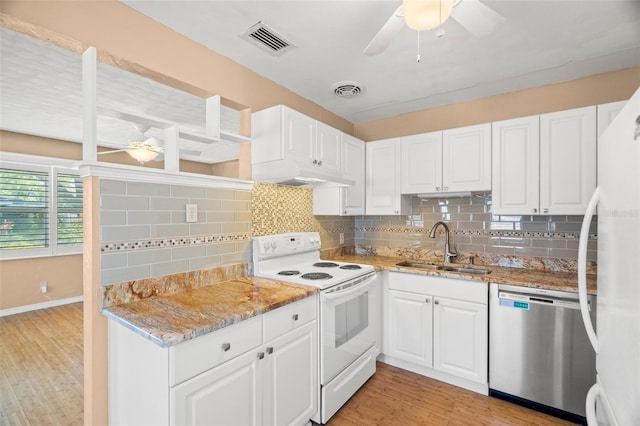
[{"x": 328, "y": 296}]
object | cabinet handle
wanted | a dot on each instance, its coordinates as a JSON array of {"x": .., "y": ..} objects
[
  {"x": 260, "y": 355},
  {"x": 344, "y": 212},
  {"x": 226, "y": 346},
  {"x": 396, "y": 211},
  {"x": 438, "y": 188},
  {"x": 315, "y": 161},
  {"x": 320, "y": 163},
  {"x": 295, "y": 317},
  {"x": 534, "y": 210},
  {"x": 269, "y": 350},
  {"x": 545, "y": 210},
  {"x": 437, "y": 302},
  {"x": 446, "y": 188},
  {"x": 427, "y": 300}
]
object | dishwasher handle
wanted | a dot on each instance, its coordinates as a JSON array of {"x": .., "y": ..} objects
[{"x": 536, "y": 299}]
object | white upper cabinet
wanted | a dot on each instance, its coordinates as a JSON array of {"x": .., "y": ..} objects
[
  {"x": 286, "y": 144},
  {"x": 383, "y": 177},
  {"x": 567, "y": 160},
  {"x": 421, "y": 163},
  {"x": 516, "y": 159},
  {"x": 545, "y": 164},
  {"x": 466, "y": 159},
  {"x": 455, "y": 160},
  {"x": 348, "y": 200}
]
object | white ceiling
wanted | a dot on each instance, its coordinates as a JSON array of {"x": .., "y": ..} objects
[{"x": 540, "y": 42}]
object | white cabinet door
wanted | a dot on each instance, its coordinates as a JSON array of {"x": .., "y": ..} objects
[
  {"x": 466, "y": 159},
  {"x": 353, "y": 165},
  {"x": 422, "y": 163},
  {"x": 606, "y": 113},
  {"x": 225, "y": 395},
  {"x": 567, "y": 160},
  {"x": 515, "y": 164},
  {"x": 383, "y": 177},
  {"x": 460, "y": 338},
  {"x": 298, "y": 136},
  {"x": 328, "y": 149},
  {"x": 409, "y": 327},
  {"x": 291, "y": 377}
]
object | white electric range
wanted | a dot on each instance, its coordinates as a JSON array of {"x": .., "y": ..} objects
[{"x": 349, "y": 314}]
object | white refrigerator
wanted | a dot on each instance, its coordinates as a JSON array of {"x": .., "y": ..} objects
[{"x": 615, "y": 397}]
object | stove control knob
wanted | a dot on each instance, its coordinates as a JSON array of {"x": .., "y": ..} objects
[
  {"x": 273, "y": 245},
  {"x": 266, "y": 246}
]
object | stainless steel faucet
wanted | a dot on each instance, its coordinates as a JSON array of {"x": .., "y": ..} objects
[{"x": 448, "y": 254}]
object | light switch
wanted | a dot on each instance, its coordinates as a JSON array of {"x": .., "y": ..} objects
[{"x": 192, "y": 213}]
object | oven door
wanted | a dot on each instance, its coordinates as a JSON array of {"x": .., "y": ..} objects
[{"x": 348, "y": 324}]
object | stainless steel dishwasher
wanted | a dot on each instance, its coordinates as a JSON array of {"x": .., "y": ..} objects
[{"x": 539, "y": 352}]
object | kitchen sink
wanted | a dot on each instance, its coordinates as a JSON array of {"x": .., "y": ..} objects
[
  {"x": 452, "y": 268},
  {"x": 465, "y": 269},
  {"x": 418, "y": 265}
]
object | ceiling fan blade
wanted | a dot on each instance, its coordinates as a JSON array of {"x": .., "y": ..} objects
[
  {"x": 477, "y": 18},
  {"x": 111, "y": 152},
  {"x": 387, "y": 33}
]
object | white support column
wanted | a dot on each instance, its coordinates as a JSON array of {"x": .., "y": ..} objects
[
  {"x": 89, "y": 103},
  {"x": 171, "y": 151},
  {"x": 213, "y": 117}
]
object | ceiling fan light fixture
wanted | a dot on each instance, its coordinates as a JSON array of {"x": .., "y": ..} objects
[
  {"x": 423, "y": 15},
  {"x": 142, "y": 154}
]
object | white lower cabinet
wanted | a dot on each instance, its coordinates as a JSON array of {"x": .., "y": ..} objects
[
  {"x": 437, "y": 327},
  {"x": 261, "y": 371}
]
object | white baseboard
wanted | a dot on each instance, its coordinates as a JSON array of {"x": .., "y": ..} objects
[{"x": 43, "y": 305}]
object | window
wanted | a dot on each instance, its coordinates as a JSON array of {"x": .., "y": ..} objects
[{"x": 40, "y": 211}]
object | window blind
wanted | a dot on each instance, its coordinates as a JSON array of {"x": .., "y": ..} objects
[
  {"x": 24, "y": 209},
  {"x": 69, "y": 209}
]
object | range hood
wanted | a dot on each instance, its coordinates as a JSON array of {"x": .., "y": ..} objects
[{"x": 288, "y": 172}]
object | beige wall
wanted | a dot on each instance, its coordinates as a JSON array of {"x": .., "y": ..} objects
[
  {"x": 20, "y": 280},
  {"x": 597, "y": 89}
]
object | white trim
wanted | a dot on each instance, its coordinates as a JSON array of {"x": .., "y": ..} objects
[
  {"x": 142, "y": 174},
  {"x": 37, "y": 160},
  {"x": 37, "y": 306}
]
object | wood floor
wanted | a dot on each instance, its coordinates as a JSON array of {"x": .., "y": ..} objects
[
  {"x": 41, "y": 377},
  {"x": 41, "y": 384},
  {"x": 398, "y": 397}
]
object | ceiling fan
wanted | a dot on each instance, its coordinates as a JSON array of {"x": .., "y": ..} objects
[
  {"x": 145, "y": 150},
  {"x": 423, "y": 15}
]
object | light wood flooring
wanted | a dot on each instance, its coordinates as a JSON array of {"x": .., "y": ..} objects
[
  {"x": 398, "y": 397},
  {"x": 41, "y": 377},
  {"x": 41, "y": 384}
]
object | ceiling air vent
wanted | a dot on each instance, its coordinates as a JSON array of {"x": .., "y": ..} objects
[
  {"x": 267, "y": 39},
  {"x": 347, "y": 89}
]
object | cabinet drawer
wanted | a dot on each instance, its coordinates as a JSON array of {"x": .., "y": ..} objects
[
  {"x": 470, "y": 291},
  {"x": 289, "y": 317},
  {"x": 191, "y": 358}
]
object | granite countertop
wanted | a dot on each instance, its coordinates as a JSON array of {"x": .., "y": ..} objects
[
  {"x": 560, "y": 281},
  {"x": 171, "y": 319}
]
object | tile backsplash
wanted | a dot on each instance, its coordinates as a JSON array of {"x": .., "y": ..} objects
[
  {"x": 475, "y": 231},
  {"x": 144, "y": 232},
  {"x": 277, "y": 209}
]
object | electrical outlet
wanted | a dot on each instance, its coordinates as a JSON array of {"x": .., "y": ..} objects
[
  {"x": 192, "y": 213},
  {"x": 43, "y": 287},
  {"x": 342, "y": 238}
]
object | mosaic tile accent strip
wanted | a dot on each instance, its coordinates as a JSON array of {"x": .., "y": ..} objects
[
  {"x": 130, "y": 291},
  {"x": 278, "y": 209},
  {"x": 486, "y": 233},
  {"x": 123, "y": 246}
]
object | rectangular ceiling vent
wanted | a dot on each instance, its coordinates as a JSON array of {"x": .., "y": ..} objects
[{"x": 267, "y": 39}]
